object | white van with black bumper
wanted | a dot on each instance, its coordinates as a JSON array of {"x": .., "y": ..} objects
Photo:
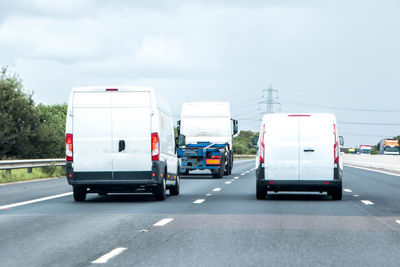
[
  {"x": 299, "y": 152},
  {"x": 120, "y": 139}
]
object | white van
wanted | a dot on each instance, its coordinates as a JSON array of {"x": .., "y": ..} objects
[
  {"x": 299, "y": 152},
  {"x": 120, "y": 139}
]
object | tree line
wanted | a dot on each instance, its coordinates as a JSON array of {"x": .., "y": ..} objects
[
  {"x": 30, "y": 131},
  {"x": 27, "y": 130}
]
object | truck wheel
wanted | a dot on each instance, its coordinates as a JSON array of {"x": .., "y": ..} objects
[
  {"x": 159, "y": 191},
  {"x": 186, "y": 172},
  {"x": 261, "y": 192},
  {"x": 79, "y": 193},
  {"x": 174, "y": 190},
  {"x": 219, "y": 173},
  {"x": 227, "y": 167},
  {"x": 337, "y": 193},
  {"x": 230, "y": 164}
]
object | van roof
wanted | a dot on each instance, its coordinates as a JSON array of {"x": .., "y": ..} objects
[
  {"x": 104, "y": 87},
  {"x": 327, "y": 115}
]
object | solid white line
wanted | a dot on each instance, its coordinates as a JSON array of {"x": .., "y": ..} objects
[
  {"x": 228, "y": 182},
  {"x": 163, "y": 222},
  {"x": 347, "y": 190},
  {"x": 367, "y": 202},
  {"x": 34, "y": 201},
  {"x": 217, "y": 189},
  {"x": 373, "y": 170},
  {"x": 200, "y": 200},
  {"x": 398, "y": 221},
  {"x": 105, "y": 258}
]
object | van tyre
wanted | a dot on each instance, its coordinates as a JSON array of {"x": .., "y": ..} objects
[
  {"x": 261, "y": 192},
  {"x": 174, "y": 189},
  {"x": 337, "y": 193},
  {"x": 160, "y": 191},
  {"x": 79, "y": 193}
]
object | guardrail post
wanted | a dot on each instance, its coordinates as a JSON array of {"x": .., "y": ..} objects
[{"x": 29, "y": 170}]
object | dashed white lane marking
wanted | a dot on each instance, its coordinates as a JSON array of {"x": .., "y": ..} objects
[
  {"x": 243, "y": 174},
  {"x": 217, "y": 189},
  {"x": 105, "y": 258},
  {"x": 199, "y": 201},
  {"x": 367, "y": 202},
  {"x": 208, "y": 195},
  {"x": 163, "y": 222},
  {"x": 228, "y": 182},
  {"x": 398, "y": 221},
  {"x": 347, "y": 190},
  {"x": 355, "y": 195},
  {"x": 34, "y": 201},
  {"x": 236, "y": 177}
]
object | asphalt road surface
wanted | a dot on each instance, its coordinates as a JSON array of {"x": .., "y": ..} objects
[{"x": 213, "y": 222}]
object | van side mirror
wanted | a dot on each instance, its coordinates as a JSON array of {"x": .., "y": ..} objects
[
  {"x": 255, "y": 141},
  {"x": 341, "y": 140},
  {"x": 180, "y": 140}
]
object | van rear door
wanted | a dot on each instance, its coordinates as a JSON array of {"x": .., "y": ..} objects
[
  {"x": 281, "y": 148},
  {"x": 92, "y": 132},
  {"x": 316, "y": 147},
  {"x": 131, "y": 124}
]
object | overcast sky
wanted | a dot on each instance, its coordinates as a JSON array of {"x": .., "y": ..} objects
[{"x": 322, "y": 56}]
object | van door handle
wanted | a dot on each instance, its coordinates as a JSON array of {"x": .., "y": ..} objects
[
  {"x": 309, "y": 150},
  {"x": 121, "y": 145}
]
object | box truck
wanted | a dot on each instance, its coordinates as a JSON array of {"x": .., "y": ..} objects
[
  {"x": 299, "y": 152},
  {"x": 120, "y": 139},
  {"x": 208, "y": 129}
]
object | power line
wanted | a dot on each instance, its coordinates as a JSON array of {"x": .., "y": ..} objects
[
  {"x": 369, "y": 123},
  {"x": 289, "y": 101}
]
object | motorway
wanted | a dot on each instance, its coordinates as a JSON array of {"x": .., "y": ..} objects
[{"x": 213, "y": 222}]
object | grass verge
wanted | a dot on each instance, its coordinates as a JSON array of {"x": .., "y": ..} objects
[{"x": 18, "y": 175}]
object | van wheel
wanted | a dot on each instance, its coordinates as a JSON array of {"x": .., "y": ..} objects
[
  {"x": 79, "y": 193},
  {"x": 261, "y": 192},
  {"x": 337, "y": 193},
  {"x": 174, "y": 190},
  {"x": 159, "y": 191}
]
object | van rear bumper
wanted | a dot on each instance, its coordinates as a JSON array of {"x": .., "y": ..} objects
[{"x": 296, "y": 185}]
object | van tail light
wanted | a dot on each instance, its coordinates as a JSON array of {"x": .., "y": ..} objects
[
  {"x": 335, "y": 146},
  {"x": 69, "y": 147},
  {"x": 155, "y": 146},
  {"x": 262, "y": 145}
]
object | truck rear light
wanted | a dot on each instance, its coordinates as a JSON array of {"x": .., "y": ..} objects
[
  {"x": 215, "y": 156},
  {"x": 299, "y": 115},
  {"x": 335, "y": 147},
  {"x": 262, "y": 145},
  {"x": 69, "y": 147},
  {"x": 326, "y": 182},
  {"x": 213, "y": 161},
  {"x": 111, "y": 89},
  {"x": 155, "y": 146},
  {"x": 271, "y": 182}
]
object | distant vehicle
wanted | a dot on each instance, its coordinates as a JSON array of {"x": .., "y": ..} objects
[
  {"x": 299, "y": 152},
  {"x": 365, "y": 149},
  {"x": 389, "y": 146},
  {"x": 120, "y": 139},
  {"x": 208, "y": 129}
]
